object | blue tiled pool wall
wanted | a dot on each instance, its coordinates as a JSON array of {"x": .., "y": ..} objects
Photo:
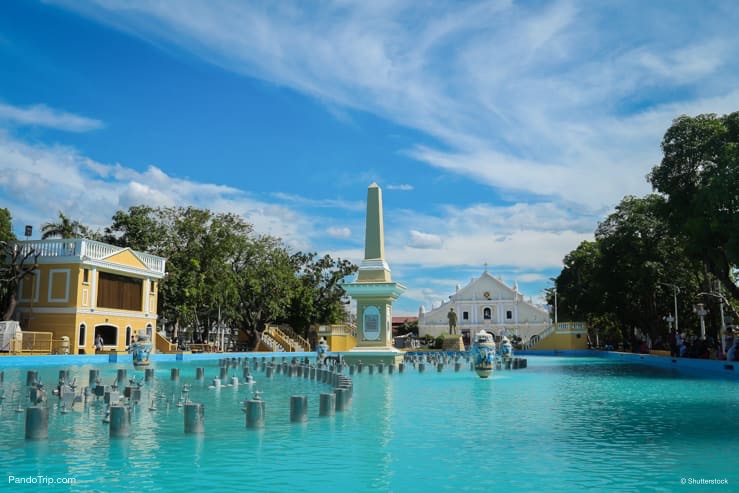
[{"x": 727, "y": 369}]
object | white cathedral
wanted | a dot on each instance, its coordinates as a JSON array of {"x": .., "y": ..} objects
[{"x": 486, "y": 303}]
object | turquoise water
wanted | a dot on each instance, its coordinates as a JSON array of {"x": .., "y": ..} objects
[{"x": 562, "y": 424}]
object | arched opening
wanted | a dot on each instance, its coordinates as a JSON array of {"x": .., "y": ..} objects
[
  {"x": 150, "y": 331},
  {"x": 109, "y": 333},
  {"x": 128, "y": 336},
  {"x": 487, "y": 313},
  {"x": 82, "y": 335}
]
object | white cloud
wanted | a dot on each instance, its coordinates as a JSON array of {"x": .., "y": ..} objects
[
  {"x": 533, "y": 249},
  {"x": 403, "y": 187},
  {"x": 336, "y": 232},
  {"x": 424, "y": 240},
  {"x": 36, "y": 181},
  {"x": 521, "y": 98},
  {"x": 43, "y": 116},
  {"x": 559, "y": 106},
  {"x": 302, "y": 201}
]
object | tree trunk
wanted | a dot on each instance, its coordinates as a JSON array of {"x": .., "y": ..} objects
[{"x": 10, "y": 307}]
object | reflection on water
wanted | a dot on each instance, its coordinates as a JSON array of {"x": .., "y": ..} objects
[{"x": 559, "y": 425}]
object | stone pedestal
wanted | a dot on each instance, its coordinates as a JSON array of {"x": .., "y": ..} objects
[
  {"x": 453, "y": 342},
  {"x": 386, "y": 356}
]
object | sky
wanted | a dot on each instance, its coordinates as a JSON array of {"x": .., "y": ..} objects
[{"x": 500, "y": 132}]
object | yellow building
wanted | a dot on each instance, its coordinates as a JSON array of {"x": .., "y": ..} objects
[
  {"x": 565, "y": 336},
  {"x": 83, "y": 288}
]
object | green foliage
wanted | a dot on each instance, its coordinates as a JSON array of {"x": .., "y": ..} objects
[
  {"x": 686, "y": 237},
  {"x": 408, "y": 327},
  {"x": 439, "y": 342},
  {"x": 428, "y": 340},
  {"x": 607, "y": 327},
  {"x": 579, "y": 290},
  {"x": 699, "y": 174},
  {"x": 15, "y": 264},
  {"x": 219, "y": 271},
  {"x": 318, "y": 296},
  {"x": 6, "y": 226},
  {"x": 140, "y": 228},
  {"x": 617, "y": 283},
  {"x": 66, "y": 228}
]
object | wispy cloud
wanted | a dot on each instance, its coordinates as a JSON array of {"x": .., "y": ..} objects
[
  {"x": 299, "y": 200},
  {"x": 43, "y": 116},
  {"x": 403, "y": 187},
  {"x": 557, "y": 106},
  {"x": 519, "y": 97},
  {"x": 36, "y": 179},
  {"x": 339, "y": 232},
  {"x": 421, "y": 240}
]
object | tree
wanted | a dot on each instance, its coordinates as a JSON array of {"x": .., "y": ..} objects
[
  {"x": 140, "y": 229},
  {"x": 200, "y": 247},
  {"x": 619, "y": 280},
  {"x": 220, "y": 274},
  {"x": 408, "y": 327},
  {"x": 639, "y": 252},
  {"x": 319, "y": 296},
  {"x": 66, "y": 228},
  {"x": 6, "y": 226},
  {"x": 579, "y": 288},
  {"x": 264, "y": 275},
  {"x": 699, "y": 175},
  {"x": 16, "y": 264}
]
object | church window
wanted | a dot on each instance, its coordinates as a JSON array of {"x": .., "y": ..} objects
[
  {"x": 487, "y": 314},
  {"x": 508, "y": 314},
  {"x": 465, "y": 315}
]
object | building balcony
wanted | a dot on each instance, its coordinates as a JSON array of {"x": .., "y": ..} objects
[{"x": 86, "y": 251}]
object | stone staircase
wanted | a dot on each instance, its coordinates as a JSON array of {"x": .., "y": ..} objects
[{"x": 283, "y": 338}]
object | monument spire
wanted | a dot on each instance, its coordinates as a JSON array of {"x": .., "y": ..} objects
[
  {"x": 374, "y": 268},
  {"x": 374, "y": 235},
  {"x": 374, "y": 291}
]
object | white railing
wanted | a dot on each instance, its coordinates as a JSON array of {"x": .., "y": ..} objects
[
  {"x": 338, "y": 329},
  {"x": 564, "y": 326},
  {"x": 560, "y": 327},
  {"x": 539, "y": 337},
  {"x": 268, "y": 341},
  {"x": 285, "y": 340},
  {"x": 84, "y": 248}
]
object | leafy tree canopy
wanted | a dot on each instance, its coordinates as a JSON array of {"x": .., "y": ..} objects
[{"x": 699, "y": 175}]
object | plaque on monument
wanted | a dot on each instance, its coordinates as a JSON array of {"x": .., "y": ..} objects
[{"x": 371, "y": 323}]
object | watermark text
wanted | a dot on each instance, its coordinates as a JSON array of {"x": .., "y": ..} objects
[
  {"x": 704, "y": 481},
  {"x": 40, "y": 480}
]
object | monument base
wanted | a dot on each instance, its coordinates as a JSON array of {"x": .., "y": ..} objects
[
  {"x": 372, "y": 356},
  {"x": 453, "y": 342}
]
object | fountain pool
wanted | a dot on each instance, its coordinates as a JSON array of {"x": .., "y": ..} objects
[{"x": 562, "y": 424}]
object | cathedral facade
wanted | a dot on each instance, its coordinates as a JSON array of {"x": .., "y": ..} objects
[{"x": 486, "y": 303}]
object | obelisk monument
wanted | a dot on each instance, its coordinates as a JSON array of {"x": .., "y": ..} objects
[{"x": 374, "y": 292}]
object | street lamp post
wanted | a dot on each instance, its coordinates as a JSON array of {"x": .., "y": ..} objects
[
  {"x": 723, "y": 320},
  {"x": 675, "y": 291},
  {"x": 701, "y": 311},
  {"x": 669, "y": 319}
]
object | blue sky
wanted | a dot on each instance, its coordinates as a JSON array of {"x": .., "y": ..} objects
[{"x": 501, "y": 132}]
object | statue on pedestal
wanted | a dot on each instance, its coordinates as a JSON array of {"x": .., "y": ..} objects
[{"x": 452, "y": 316}]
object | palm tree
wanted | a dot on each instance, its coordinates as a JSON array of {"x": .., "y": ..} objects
[{"x": 66, "y": 228}]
